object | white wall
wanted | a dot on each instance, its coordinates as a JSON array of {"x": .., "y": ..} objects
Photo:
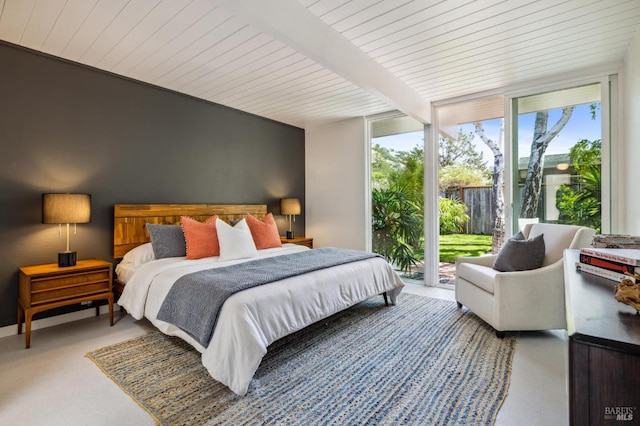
[
  {"x": 335, "y": 191},
  {"x": 630, "y": 161}
]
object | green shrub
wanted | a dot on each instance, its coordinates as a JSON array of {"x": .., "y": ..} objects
[
  {"x": 453, "y": 215},
  {"x": 581, "y": 202}
]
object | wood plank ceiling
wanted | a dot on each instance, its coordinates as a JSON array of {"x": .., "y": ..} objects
[{"x": 308, "y": 62}]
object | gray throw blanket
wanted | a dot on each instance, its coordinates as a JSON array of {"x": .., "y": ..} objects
[{"x": 195, "y": 300}]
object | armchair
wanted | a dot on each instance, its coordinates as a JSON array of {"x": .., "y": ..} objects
[{"x": 522, "y": 300}]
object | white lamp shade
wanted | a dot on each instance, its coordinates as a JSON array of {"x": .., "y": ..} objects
[
  {"x": 290, "y": 206},
  {"x": 66, "y": 208}
]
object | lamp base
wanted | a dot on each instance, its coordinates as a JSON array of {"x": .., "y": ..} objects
[
  {"x": 66, "y": 258},
  {"x": 289, "y": 235}
]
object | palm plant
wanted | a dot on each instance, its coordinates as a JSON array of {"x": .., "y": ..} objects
[{"x": 397, "y": 226}]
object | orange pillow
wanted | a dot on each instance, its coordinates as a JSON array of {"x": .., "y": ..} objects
[
  {"x": 264, "y": 232},
  {"x": 201, "y": 237}
]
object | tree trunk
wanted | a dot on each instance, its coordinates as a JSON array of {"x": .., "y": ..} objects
[
  {"x": 497, "y": 199},
  {"x": 541, "y": 140}
]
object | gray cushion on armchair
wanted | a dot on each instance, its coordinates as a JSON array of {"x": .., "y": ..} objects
[{"x": 520, "y": 254}]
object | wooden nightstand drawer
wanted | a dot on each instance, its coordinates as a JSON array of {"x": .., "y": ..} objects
[
  {"x": 70, "y": 280},
  {"x": 62, "y": 293}
]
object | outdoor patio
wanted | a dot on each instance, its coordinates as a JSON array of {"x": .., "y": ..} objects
[{"x": 447, "y": 273}]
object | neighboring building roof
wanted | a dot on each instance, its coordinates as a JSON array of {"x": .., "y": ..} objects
[{"x": 552, "y": 160}]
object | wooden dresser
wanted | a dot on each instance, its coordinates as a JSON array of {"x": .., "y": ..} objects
[{"x": 604, "y": 350}]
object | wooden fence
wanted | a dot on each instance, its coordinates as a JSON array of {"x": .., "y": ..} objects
[
  {"x": 478, "y": 201},
  {"x": 481, "y": 212}
]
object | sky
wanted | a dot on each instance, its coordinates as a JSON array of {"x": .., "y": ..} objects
[{"x": 580, "y": 126}]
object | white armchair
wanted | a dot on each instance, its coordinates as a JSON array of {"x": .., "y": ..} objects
[{"x": 523, "y": 300}]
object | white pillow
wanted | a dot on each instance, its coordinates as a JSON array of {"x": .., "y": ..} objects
[
  {"x": 235, "y": 242},
  {"x": 139, "y": 255}
]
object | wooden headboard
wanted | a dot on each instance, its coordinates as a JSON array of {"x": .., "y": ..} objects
[{"x": 129, "y": 230}]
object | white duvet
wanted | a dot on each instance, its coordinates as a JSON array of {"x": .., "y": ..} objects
[{"x": 251, "y": 320}]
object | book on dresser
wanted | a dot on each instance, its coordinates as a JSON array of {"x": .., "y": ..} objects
[
  {"x": 626, "y": 256},
  {"x": 608, "y": 264},
  {"x": 602, "y": 272}
]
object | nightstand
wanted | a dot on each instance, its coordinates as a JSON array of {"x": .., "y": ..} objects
[
  {"x": 301, "y": 241},
  {"x": 44, "y": 287}
]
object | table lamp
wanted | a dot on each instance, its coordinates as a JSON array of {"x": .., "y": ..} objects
[
  {"x": 66, "y": 209},
  {"x": 290, "y": 207}
]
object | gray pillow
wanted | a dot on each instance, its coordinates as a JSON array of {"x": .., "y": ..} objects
[
  {"x": 167, "y": 240},
  {"x": 520, "y": 254}
]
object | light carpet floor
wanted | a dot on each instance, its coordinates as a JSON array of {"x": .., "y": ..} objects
[{"x": 421, "y": 362}]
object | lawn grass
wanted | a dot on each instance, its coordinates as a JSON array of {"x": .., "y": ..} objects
[{"x": 454, "y": 245}]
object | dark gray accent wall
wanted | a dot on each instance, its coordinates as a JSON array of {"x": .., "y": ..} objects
[{"x": 70, "y": 128}]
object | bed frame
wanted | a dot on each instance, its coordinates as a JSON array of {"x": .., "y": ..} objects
[{"x": 129, "y": 220}]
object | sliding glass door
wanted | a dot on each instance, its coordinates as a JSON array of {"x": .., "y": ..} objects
[{"x": 471, "y": 164}]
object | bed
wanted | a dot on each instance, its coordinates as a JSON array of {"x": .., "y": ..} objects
[{"x": 249, "y": 320}]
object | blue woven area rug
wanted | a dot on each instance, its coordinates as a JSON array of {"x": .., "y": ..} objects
[{"x": 421, "y": 362}]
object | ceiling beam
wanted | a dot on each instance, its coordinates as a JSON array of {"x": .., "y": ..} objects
[{"x": 292, "y": 24}]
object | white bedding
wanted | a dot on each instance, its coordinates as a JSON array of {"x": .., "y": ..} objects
[
  {"x": 251, "y": 320},
  {"x": 125, "y": 271}
]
